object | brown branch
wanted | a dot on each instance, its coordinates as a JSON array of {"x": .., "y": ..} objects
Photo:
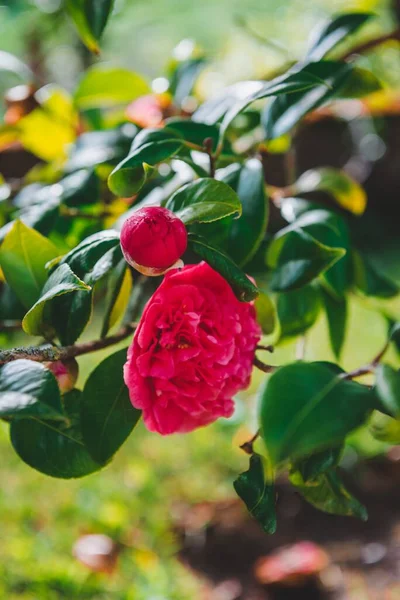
[
  {"x": 48, "y": 353},
  {"x": 263, "y": 367},
  {"x": 208, "y": 144},
  {"x": 266, "y": 348},
  {"x": 371, "y": 44},
  {"x": 370, "y": 367}
]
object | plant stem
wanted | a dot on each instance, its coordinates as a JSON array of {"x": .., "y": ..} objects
[
  {"x": 208, "y": 143},
  {"x": 48, "y": 353},
  {"x": 371, "y": 44},
  {"x": 248, "y": 446},
  {"x": 263, "y": 367},
  {"x": 370, "y": 367}
]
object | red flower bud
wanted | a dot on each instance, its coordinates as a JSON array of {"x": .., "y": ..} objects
[
  {"x": 153, "y": 239},
  {"x": 66, "y": 372}
]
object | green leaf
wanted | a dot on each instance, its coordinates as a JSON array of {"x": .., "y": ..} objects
[
  {"x": 91, "y": 260},
  {"x": 359, "y": 84},
  {"x": 369, "y": 281},
  {"x": 130, "y": 175},
  {"x": 12, "y": 64},
  {"x": 384, "y": 428},
  {"x": 347, "y": 192},
  {"x": 23, "y": 255},
  {"x": 28, "y": 389},
  {"x": 247, "y": 232},
  {"x": 266, "y": 314},
  {"x": 52, "y": 447},
  {"x": 204, "y": 201},
  {"x": 306, "y": 407},
  {"x": 336, "y": 314},
  {"x": 193, "y": 132},
  {"x": 285, "y": 111},
  {"x": 90, "y": 18},
  {"x": 297, "y": 258},
  {"x": 103, "y": 86},
  {"x": 108, "y": 416},
  {"x": 298, "y": 310},
  {"x": 242, "y": 286},
  {"x": 61, "y": 281},
  {"x": 331, "y": 230},
  {"x": 327, "y": 493},
  {"x": 118, "y": 292},
  {"x": 388, "y": 388},
  {"x": 305, "y": 88},
  {"x": 315, "y": 465},
  {"x": 257, "y": 494},
  {"x": 334, "y": 31}
]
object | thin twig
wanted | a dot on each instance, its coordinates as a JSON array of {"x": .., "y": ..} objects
[
  {"x": 371, "y": 44},
  {"x": 266, "y": 348},
  {"x": 48, "y": 353},
  {"x": 263, "y": 367},
  {"x": 248, "y": 446},
  {"x": 208, "y": 147},
  {"x": 370, "y": 367}
]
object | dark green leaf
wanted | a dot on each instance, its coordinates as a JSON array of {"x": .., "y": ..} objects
[
  {"x": 336, "y": 314},
  {"x": 328, "y": 493},
  {"x": 388, "y": 388},
  {"x": 108, "y": 416},
  {"x": 90, "y": 18},
  {"x": 257, "y": 494},
  {"x": 113, "y": 289},
  {"x": 52, "y": 447},
  {"x": 193, "y": 132},
  {"x": 61, "y": 281},
  {"x": 23, "y": 255},
  {"x": 204, "y": 201},
  {"x": 334, "y": 31},
  {"x": 315, "y": 465},
  {"x": 297, "y": 258},
  {"x": 130, "y": 175},
  {"x": 369, "y": 281},
  {"x": 285, "y": 111},
  {"x": 97, "y": 147},
  {"x": 247, "y": 232},
  {"x": 243, "y": 288},
  {"x": 359, "y": 84},
  {"x": 28, "y": 389},
  {"x": 306, "y": 407},
  {"x": 298, "y": 310}
]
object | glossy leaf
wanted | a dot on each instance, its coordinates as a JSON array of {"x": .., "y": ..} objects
[
  {"x": 130, "y": 175},
  {"x": 90, "y": 18},
  {"x": 327, "y": 493},
  {"x": 359, "y": 84},
  {"x": 28, "y": 389},
  {"x": 104, "y": 86},
  {"x": 266, "y": 314},
  {"x": 184, "y": 78},
  {"x": 388, "y": 388},
  {"x": 315, "y": 465},
  {"x": 297, "y": 258},
  {"x": 334, "y": 31},
  {"x": 118, "y": 291},
  {"x": 285, "y": 111},
  {"x": 96, "y": 147},
  {"x": 108, "y": 416},
  {"x": 306, "y": 407},
  {"x": 61, "y": 281},
  {"x": 54, "y": 448},
  {"x": 257, "y": 494},
  {"x": 243, "y": 288},
  {"x": 298, "y": 310},
  {"x": 247, "y": 232},
  {"x": 193, "y": 132},
  {"x": 371, "y": 282},
  {"x": 204, "y": 201},
  {"x": 346, "y": 191},
  {"x": 23, "y": 256}
]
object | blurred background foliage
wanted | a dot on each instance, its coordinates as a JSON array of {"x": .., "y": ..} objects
[{"x": 132, "y": 503}]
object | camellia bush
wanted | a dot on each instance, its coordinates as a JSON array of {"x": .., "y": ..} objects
[{"x": 153, "y": 217}]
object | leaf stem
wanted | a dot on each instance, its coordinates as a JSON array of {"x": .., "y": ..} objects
[
  {"x": 48, "y": 353},
  {"x": 263, "y": 367},
  {"x": 370, "y": 367},
  {"x": 248, "y": 446}
]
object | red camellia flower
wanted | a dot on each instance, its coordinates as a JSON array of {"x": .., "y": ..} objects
[
  {"x": 154, "y": 238},
  {"x": 192, "y": 352}
]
